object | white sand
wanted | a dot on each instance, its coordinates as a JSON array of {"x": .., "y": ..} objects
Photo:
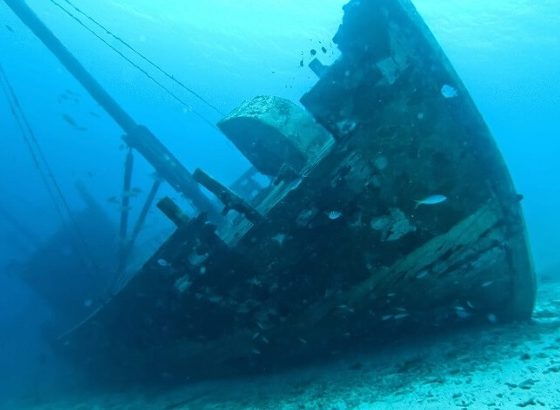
[{"x": 500, "y": 367}]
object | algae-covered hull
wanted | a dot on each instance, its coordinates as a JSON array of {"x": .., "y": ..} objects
[{"x": 337, "y": 251}]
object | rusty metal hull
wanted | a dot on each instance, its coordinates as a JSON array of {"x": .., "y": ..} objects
[{"x": 344, "y": 255}]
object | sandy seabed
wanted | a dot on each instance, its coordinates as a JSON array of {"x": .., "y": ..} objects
[{"x": 499, "y": 367}]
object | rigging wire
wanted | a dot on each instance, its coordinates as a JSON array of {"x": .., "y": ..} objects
[
  {"x": 146, "y": 59},
  {"x": 45, "y": 172},
  {"x": 36, "y": 154},
  {"x": 135, "y": 65}
]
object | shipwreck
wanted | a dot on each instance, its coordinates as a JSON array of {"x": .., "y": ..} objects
[{"x": 338, "y": 250}]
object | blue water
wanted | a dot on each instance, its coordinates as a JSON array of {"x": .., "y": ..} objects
[{"x": 506, "y": 52}]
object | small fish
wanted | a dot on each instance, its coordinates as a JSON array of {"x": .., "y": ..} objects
[
  {"x": 346, "y": 307},
  {"x": 71, "y": 93},
  {"x": 68, "y": 96},
  {"x": 332, "y": 215},
  {"x": 162, "y": 262},
  {"x": 492, "y": 318},
  {"x": 324, "y": 50},
  {"x": 449, "y": 91},
  {"x": 301, "y": 63},
  {"x": 62, "y": 98},
  {"x": 94, "y": 114},
  {"x": 113, "y": 200},
  {"x": 313, "y": 52},
  {"x": 422, "y": 275},
  {"x": 431, "y": 200},
  {"x": 486, "y": 284},
  {"x": 279, "y": 238},
  {"x": 72, "y": 122},
  {"x": 9, "y": 28},
  {"x": 462, "y": 312},
  {"x": 69, "y": 120},
  {"x": 302, "y": 340}
]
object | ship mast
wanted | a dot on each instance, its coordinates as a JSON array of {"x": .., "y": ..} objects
[{"x": 136, "y": 135}]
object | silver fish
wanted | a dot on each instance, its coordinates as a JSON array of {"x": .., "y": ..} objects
[
  {"x": 431, "y": 200},
  {"x": 486, "y": 284}
]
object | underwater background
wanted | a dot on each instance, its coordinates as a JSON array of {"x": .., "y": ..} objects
[{"x": 506, "y": 52}]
